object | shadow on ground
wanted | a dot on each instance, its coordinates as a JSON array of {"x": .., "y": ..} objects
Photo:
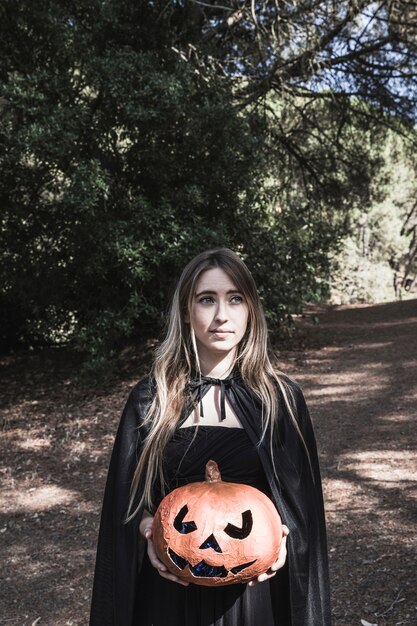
[
  {"x": 358, "y": 374},
  {"x": 360, "y": 382}
]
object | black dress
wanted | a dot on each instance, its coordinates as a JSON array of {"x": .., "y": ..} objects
[
  {"x": 290, "y": 464},
  {"x": 165, "y": 602}
]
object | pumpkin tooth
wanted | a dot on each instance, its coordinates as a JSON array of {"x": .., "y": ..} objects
[
  {"x": 239, "y": 568},
  {"x": 205, "y": 570},
  {"x": 178, "y": 560}
]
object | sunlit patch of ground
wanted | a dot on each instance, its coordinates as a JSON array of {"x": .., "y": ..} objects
[
  {"x": 386, "y": 467},
  {"x": 346, "y": 495},
  {"x": 19, "y": 500},
  {"x": 32, "y": 443}
]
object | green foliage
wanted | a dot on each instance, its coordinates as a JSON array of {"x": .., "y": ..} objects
[
  {"x": 380, "y": 245},
  {"x": 123, "y": 153},
  {"x": 358, "y": 278},
  {"x": 119, "y": 165}
]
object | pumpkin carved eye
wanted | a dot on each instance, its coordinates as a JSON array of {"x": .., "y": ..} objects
[
  {"x": 183, "y": 527},
  {"x": 241, "y": 533}
]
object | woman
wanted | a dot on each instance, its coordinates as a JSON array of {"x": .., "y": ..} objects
[{"x": 213, "y": 393}]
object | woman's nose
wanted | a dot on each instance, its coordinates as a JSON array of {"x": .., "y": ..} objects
[{"x": 221, "y": 313}]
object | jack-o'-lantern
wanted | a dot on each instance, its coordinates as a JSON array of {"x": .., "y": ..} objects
[{"x": 215, "y": 532}]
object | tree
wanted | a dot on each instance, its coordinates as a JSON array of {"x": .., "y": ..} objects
[
  {"x": 136, "y": 133},
  {"x": 119, "y": 163},
  {"x": 378, "y": 257}
]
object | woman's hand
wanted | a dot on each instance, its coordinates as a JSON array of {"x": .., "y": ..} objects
[
  {"x": 280, "y": 562},
  {"x": 145, "y": 529}
]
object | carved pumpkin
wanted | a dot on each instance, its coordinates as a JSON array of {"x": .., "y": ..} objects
[{"x": 217, "y": 533}]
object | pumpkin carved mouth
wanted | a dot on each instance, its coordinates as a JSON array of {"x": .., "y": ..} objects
[{"x": 203, "y": 569}]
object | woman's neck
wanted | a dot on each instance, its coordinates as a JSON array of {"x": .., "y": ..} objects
[{"x": 217, "y": 367}]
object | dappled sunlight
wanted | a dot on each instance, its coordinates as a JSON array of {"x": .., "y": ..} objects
[
  {"x": 342, "y": 494},
  {"x": 376, "y": 487},
  {"x": 397, "y": 325},
  {"x": 361, "y": 393},
  {"x": 34, "y": 443},
  {"x": 388, "y": 467},
  {"x": 73, "y": 440},
  {"x": 21, "y": 556},
  {"x": 350, "y": 378},
  {"x": 352, "y": 502},
  {"x": 343, "y": 371},
  {"x": 334, "y": 392},
  {"x": 21, "y": 500},
  {"x": 350, "y": 386},
  {"x": 412, "y": 394},
  {"x": 372, "y": 345},
  {"x": 397, "y": 417}
]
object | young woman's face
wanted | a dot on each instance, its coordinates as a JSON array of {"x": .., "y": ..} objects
[{"x": 218, "y": 313}]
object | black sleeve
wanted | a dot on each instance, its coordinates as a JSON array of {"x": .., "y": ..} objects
[
  {"x": 318, "y": 608},
  {"x": 301, "y": 593},
  {"x": 118, "y": 549}
]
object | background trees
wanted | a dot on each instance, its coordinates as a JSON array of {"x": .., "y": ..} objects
[
  {"x": 135, "y": 134},
  {"x": 120, "y": 162},
  {"x": 377, "y": 260}
]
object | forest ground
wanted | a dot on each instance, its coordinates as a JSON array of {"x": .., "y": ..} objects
[{"x": 358, "y": 368}]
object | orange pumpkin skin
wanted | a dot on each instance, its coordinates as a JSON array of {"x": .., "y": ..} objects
[{"x": 216, "y": 533}]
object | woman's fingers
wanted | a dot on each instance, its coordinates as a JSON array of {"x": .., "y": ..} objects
[
  {"x": 262, "y": 578},
  {"x": 175, "y": 579},
  {"x": 155, "y": 562},
  {"x": 145, "y": 525},
  {"x": 162, "y": 569},
  {"x": 282, "y": 556},
  {"x": 146, "y": 530},
  {"x": 280, "y": 562}
]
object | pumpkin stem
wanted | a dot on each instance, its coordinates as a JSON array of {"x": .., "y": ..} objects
[{"x": 212, "y": 472}]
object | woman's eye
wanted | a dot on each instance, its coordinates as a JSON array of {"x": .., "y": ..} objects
[
  {"x": 206, "y": 300},
  {"x": 210, "y": 300}
]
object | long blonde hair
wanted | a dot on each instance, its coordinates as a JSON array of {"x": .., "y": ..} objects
[{"x": 176, "y": 360}]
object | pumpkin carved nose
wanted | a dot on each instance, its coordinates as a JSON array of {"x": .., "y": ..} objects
[{"x": 211, "y": 542}]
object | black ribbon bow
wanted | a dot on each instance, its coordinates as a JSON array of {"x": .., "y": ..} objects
[{"x": 202, "y": 382}]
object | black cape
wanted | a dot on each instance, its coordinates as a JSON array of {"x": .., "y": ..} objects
[{"x": 297, "y": 495}]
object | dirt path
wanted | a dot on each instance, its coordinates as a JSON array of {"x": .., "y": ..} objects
[
  {"x": 359, "y": 376},
  {"x": 362, "y": 390}
]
